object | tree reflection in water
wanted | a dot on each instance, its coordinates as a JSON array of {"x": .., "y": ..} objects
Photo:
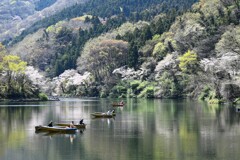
[{"x": 144, "y": 129}]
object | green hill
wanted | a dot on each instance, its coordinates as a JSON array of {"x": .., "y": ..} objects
[{"x": 158, "y": 49}]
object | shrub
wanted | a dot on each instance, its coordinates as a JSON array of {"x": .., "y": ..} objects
[
  {"x": 148, "y": 92},
  {"x": 205, "y": 93},
  {"x": 160, "y": 51},
  {"x": 103, "y": 93},
  {"x": 236, "y": 101},
  {"x": 130, "y": 93},
  {"x": 142, "y": 85},
  {"x": 43, "y": 97},
  {"x": 210, "y": 96},
  {"x": 189, "y": 62},
  {"x": 118, "y": 91},
  {"x": 134, "y": 84},
  {"x": 215, "y": 101}
]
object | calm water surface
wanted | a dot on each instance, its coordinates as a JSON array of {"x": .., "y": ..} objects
[{"x": 143, "y": 129}]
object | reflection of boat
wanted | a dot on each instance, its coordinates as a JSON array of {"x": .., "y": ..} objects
[
  {"x": 103, "y": 115},
  {"x": 67, "y": 125},
  {"x": 55, "y": 129}
]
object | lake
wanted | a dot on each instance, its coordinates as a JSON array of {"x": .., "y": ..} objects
[{"x": 143, "y": 129}]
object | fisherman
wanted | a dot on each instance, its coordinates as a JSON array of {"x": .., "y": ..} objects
[
  {"x": 121, "y": 103},
  {"x": 81, "y": 121},
  {"x": 72, "y": 125},
  {"x": 50, "y": 124},
  {"x": 109, "y": 112}
]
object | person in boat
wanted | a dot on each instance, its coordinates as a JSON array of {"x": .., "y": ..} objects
[
  {"x": 121, "y": 103},
  {"x": 81, "y": 121},
  {"x": 113, "y": 111},
  {"x": 50, "y": 124},
  {"x": 109, "y": 112},
  {"x": 72, "y": 125}
]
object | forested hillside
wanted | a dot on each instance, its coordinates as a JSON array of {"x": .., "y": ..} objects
[
  {"x": 41, "y": 4},
  {"x": 106, "y": 16},
  {"x": 18, "y": 15},
  {"x": 136, "y": 10},
  {"x": 153, "y": 49}
]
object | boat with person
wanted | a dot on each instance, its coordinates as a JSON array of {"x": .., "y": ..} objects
[
  {"x": 118, "y": 104},
  {"x": 68, "y": 125},
  {"x": 59, "y": 129},
  {"x": 80, "y": 125}
]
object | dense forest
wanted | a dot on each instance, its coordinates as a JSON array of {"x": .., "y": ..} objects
[
  {"x": 153, "y": 49},
  {"x": 41, "y": 4},
  {"x": 140, "y": 10}
]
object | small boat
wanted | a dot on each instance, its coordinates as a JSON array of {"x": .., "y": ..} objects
[
  {"x": 68, "y": 125},
  {"x": 47, "y": 133},
  {"x": 117, "y": 105},
  {"x": 55, "y": 129},
  {"x": 103, "y": 115}
]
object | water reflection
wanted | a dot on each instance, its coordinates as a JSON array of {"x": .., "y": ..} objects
[{"x": 143, "y": 129}]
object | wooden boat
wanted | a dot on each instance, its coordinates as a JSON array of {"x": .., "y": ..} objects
[
  {"x": 117, "y": 105},
  {"x": 47, "y": 133},
  {"x": 55, "y": 129},
  {"x": 78, "y": 126},
  {"x": 103, "y": 115}
]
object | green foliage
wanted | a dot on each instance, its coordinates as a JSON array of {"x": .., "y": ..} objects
[
  {"x": 108, "y": 54},
  {"x": 133, "y": 56},
  {"x": 214, "y": 101},
  {"x": 138, "y": 38},
  {"x": 66, "y": 57},
  {"x": 205, "y": 93},
  {"x": 189, "y": 62},
  {"x": 13, "y": 81},
  {"x": 103, "y": 93},
  {"x": 134, "y": 11},
  {"x": 41, "y": 4},
  {"x": 2, "y": 50},
  {"x": 2, "y": 54},
  {"x": 142, "y": 85},
  {"x": 130, "y": 93},
  {"x": 165, "y": 44},
  {"x": 134, "y": 84},
  {"x": 119, "y": 91},
  {"x": 236, "y": 101},
  {"x": 230, "y": 41},
  {"x": 147, "y": 92},
  {"x": 43, "y": 97},
  {"x": 142, "y": 89},
  {"x": 159, "y": 51},
  {"x": 13, "y": 63},
  {"x": 13, "y": 84},
  {"x": 156, "y": 37},
  {"x": 170, "y": 87},
  {"x": 209, "y": 95},
  {"x": 133, "y": 89}
]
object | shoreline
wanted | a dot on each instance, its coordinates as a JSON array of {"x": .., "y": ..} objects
[{"x": 30, "y": 100}]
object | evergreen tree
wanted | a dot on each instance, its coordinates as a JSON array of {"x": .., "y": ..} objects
[{"x": 133, "y": 55}]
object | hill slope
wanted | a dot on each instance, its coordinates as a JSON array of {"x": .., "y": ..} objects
[
  {"x": 198, "y": 56},
  {"x": 166, "y": 51},
  {"x": 69, "y": 47},
  {"x": 17, "y": 15}
]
